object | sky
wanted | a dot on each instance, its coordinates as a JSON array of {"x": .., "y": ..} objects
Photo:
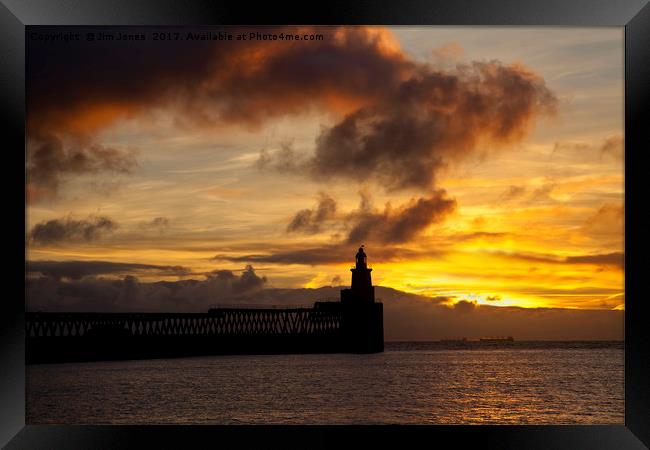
[{"x": 479, "y": 166}]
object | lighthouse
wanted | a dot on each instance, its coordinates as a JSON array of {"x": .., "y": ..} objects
[
  {"x": 362, "y": 318},
  {"x": 362, "y": 291}
]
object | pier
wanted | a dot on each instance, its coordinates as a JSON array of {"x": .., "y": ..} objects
[{"x": 354, "y": 325}]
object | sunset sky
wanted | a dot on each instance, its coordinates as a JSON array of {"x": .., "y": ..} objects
[{"x": 475, "y": 164}]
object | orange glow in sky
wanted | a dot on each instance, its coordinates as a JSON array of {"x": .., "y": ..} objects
[{"x": 538, "y": 215}]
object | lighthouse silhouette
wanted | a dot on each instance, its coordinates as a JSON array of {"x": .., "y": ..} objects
[
  {"x": 362, "y": 290},
  {"x": 362, "y": 316}
]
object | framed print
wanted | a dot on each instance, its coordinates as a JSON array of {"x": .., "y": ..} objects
[{"x": 401, "y": 222}]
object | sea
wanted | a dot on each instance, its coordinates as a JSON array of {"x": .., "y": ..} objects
[{"x": 409, "y": 383}]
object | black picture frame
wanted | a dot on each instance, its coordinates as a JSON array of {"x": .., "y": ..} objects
[{"x": 634, "y": 15}]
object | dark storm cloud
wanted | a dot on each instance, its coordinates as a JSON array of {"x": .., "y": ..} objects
[
  {"x": 400, "y": 225},
  {"x": 70, "y": 230},
  {"x": 77, "y": 89},
  {"x": 246, "y": 282},
  {"x": 464, "y": 306},
  {"x": 76, "y": 270},
  {"x": 369, "y": 225},
  {"x": 431, "y": 120},
  {"x": 309, "y": 220},
  {"x": 49, "y": 293},
  {"x": 49, "y": 160},
  {"x": 379, "y": 229},
  {"x": 403, "y": 120}
]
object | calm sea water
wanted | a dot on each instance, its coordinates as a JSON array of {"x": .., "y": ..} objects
[{"x": 423, "y": 383}]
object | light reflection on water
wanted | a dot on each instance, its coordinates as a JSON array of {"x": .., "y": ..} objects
[{"x": 408, "y": 383}]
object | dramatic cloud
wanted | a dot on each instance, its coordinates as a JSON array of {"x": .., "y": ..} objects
[
  {"x": 247, "y": 282},
  {"x": 309, "y": 220},
  {"x": 52, "y": 293},
  {"x": 49, "y": 161},
  {"x": 370, "y": 225},
  {"x": 464, "y": 306},
  {"x": 69, "y": 230},
  {"x": 402, "y": 120},
  {"x": 76, "y": 270},
  {"x": 366, "y": 225},
  {"x": 395, "y": 226},
  {"x": 431, "y": 120},
  {"x": 78, "y": 89}
]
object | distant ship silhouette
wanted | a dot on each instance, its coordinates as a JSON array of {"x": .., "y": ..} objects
[{"x": 497, "y": 339}]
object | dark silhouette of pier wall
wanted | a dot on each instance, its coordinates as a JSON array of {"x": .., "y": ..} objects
[
  {"x": 353, "y": 325},
  {"x": 329, "y": 327}
]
